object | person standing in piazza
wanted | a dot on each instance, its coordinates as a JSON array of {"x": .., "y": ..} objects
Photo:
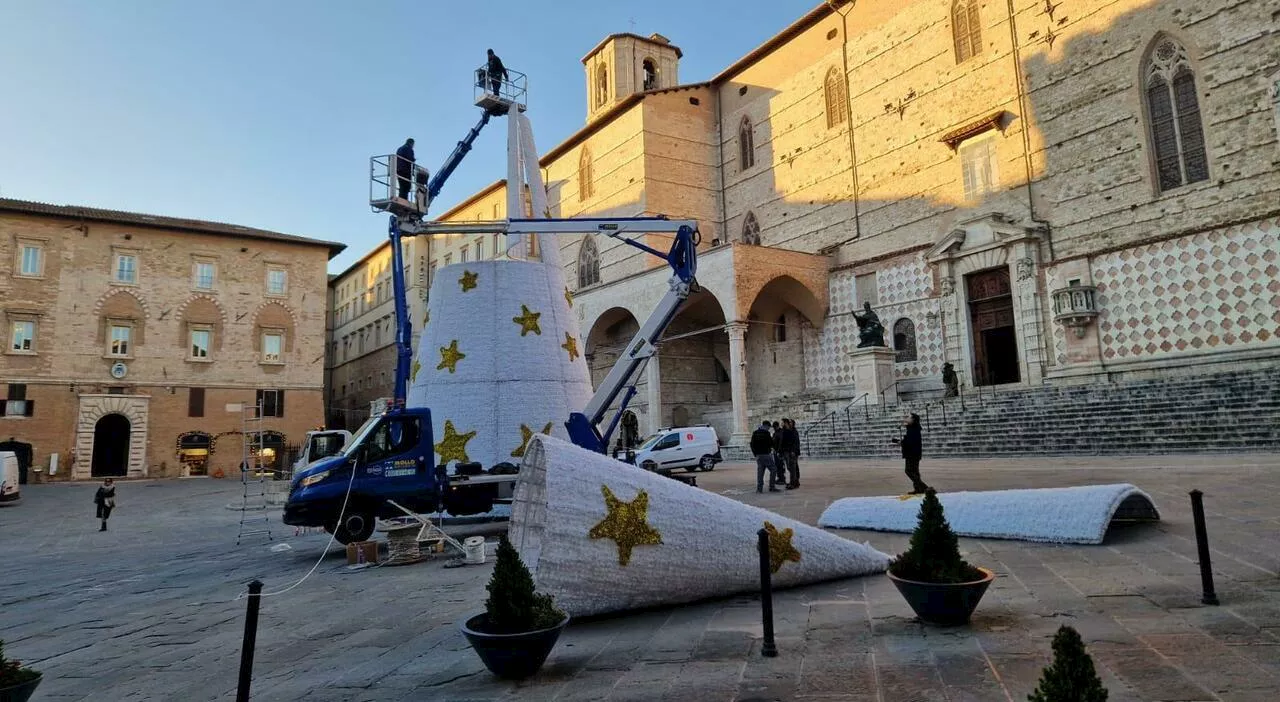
[
  {"x": 912, "y": 444},
  {"x": 762, "y": 449},
  {"x": 105, "y": 499}
]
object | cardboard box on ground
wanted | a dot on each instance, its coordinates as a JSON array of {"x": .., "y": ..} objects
[{"x": 369, "y": 549}]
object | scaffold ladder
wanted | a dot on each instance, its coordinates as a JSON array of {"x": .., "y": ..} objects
[{"x": 253, "y": 506}]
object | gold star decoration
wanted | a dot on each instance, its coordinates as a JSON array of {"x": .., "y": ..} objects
[
  {"x": 627, "y": 523},
  {"x": 468, "y": 280},
  {"x": 525, "y": 434},
  {"x": 528, "y": 321},
  {"x": 568, "y": 296},
  {"x": 571, "y": 345},
  {"x": 413, "y": 374},
  {"x": 780, "y": 548},
  {"x": 453, "y": 447},
  {"x": 449, "y": 357}
]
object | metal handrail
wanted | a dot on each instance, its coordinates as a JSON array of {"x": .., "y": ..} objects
[{"x": 804, "y": 435}]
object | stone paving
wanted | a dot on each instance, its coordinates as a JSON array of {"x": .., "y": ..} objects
[{"x": 148, "y": 610}]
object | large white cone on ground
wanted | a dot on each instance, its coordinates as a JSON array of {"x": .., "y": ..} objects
[
  {"x": 499, "y": 360},
  {"x": 603, "y": 536}
]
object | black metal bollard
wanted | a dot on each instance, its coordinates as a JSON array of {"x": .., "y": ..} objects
[
  {"x": 250, "y": 640},
  {"x": 1202, "y": 546},
  {"x": 770, "y": 648}
]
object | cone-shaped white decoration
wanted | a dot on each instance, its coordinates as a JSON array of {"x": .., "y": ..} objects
[
  {"x": 500, "y": 359},
  {"x": 603, "y": 536}
]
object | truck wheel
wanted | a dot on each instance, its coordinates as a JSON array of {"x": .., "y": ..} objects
[
  {"x": 356, "y": 524},
  {"x": 707, "y": 463}
]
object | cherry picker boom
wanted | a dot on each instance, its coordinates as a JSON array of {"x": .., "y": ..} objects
[{"x": 392, "y": 458}]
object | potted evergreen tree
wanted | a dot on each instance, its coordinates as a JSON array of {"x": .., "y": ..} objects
[
  {"x": 1071, "y": 677},
  {"x": 16, "y": 682},
  {"x": 938, "y": 584},
  {"x": 519, "y": 627}
]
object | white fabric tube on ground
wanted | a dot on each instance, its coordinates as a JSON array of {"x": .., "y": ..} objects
[{"x": 603, "y": 536}]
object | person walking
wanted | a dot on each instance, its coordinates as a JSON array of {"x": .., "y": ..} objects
[
  {"x": 105, "y": 499},
  {"x": 497, "y": 72},
  {"x": 912, "y": 449},
  {"x": 404, "y": 168},
  {"x": 791, "y": 452},
  {"x": 762, "y": 449}
]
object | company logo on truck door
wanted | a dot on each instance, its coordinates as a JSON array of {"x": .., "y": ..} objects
[{"x": 400, "y": 468}]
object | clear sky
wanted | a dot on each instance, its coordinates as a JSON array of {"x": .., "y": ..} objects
[{"x": 264, "y": 112}]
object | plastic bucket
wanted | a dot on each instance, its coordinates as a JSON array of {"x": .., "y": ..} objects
[{"x": 473, "y": 549}]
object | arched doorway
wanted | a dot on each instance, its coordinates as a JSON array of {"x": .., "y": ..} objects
[
  {"x": 111, "y": 446},
  {"x": 193, "y": 452}
]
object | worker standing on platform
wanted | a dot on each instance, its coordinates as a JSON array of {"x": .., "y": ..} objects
[
  {"x": 497, "y": 72},
  {"x": 404, "y": 168}
]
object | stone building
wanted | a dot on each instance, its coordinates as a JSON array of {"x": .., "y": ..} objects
[
  {"x": 133, "y": 341},
  {"x": 1034, "y": 192}
]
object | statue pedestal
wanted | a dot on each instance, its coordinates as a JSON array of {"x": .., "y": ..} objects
[{"x": 873, "y": 374}]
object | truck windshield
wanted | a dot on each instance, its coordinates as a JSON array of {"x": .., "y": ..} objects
[
  {"x": 324, "y": 445},
  {"x": 360, "y": 435}
]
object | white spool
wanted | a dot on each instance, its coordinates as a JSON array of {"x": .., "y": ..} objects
[{"x": 473, "y": 550}]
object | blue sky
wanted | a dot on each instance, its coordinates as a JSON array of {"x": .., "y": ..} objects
[{"x": 265, "y": 113}]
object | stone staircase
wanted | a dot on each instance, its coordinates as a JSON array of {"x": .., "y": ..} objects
[{"x": 1232, "y": 411}]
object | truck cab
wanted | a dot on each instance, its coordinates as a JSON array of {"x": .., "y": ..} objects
[
  {"x": 321, "y": 443},
  {"x": 390, "y": 458}
]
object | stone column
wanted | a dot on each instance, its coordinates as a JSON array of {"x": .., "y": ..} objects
[
  {"x": 738, "y": 382},
  {"x": 653, "y": 388}
]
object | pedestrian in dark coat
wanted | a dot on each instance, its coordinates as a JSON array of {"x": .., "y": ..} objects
[
  {"x": 762, "y": 449},
  {"x": 497, "y": 72},
  {"x": 404, "y": 168},
  {"x": 912, "y": 449},
  {"x": 105, "y": 499},
  {"x": 791, "y": 452}
]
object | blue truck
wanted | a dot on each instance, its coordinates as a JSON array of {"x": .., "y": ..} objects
[{"x": 391, "y": 458}]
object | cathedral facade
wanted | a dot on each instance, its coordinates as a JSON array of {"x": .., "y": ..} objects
[{"x": 1032, "y": 191}]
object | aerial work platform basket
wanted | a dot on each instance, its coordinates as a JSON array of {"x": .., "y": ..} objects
[{"x": 512, "y": 91}]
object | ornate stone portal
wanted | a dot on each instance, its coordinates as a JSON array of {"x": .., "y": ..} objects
[{"x": 103, "y": 420}]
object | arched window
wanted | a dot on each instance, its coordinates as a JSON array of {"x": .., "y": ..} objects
[
  {"x": 780, "y": 329},
  {"x": 586, "y": 188},
  {"x": 751, "y": 230},
  {"x": 904, "y": 340},
  {"x": 1173, "y": 115},
  {"x": 966, "y": 29},
  {"x": 650, "y": 70},
  {"x": 602, "y": 85},
  {"x": 837, "y": 104},
  {"x": 588, "y": 263},
  {"x": 746, "y": 145}
]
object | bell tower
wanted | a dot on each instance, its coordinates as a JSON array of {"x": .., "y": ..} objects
[{"x": 625, "y": 64}]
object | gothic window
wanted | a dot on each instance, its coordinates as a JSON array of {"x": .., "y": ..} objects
[
  {"x": 837, "y": 104},
  {"x": 650, "y": 74},
  {"x": 966, "y": 29},
  {"x": 751, "y": 230},
  {"x": 585, "y": 185},
  {"x": 602, "y": 85},
  {"x": 1173, "y": 116},
  {"x": 746, "y": 145},
  {"x": 904, "y": 340},
  {"x": 588, "y": 263}
]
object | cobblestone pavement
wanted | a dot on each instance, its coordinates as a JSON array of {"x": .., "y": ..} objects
[{"x": 148, "y": 610}]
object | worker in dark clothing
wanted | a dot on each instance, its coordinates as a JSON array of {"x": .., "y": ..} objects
[
  {"x": 912, "y": 449},
  {"x": 404, "y": 168},
  {"x": 497, "y": 72},
  {"x": 762, "y": 449}
]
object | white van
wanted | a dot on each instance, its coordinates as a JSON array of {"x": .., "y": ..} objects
[
  {"x": 691, "y": 448},
  {"x": 8, "y": 476}
]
